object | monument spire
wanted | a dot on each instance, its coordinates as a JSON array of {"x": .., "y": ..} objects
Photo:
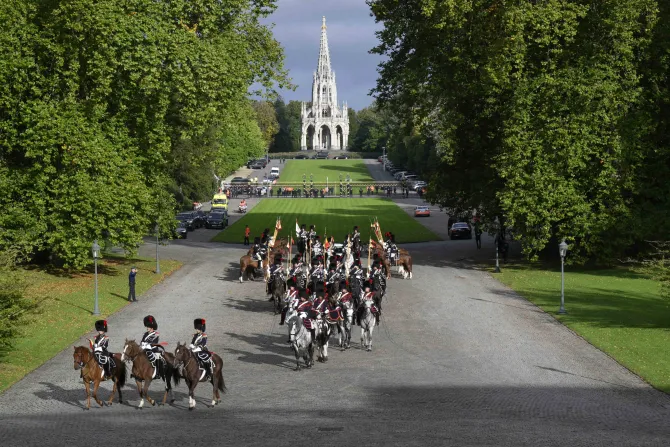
[{"x": 323, "y": 67}]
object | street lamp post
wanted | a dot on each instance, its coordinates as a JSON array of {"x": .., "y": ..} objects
[
  {"x": 563, "y": 250},
  {"x": 497, "y": 270},
  {"x": 383, "y": 158},
  {"x": 158, "y": 265},
  {"x": 95, "y": 249}
]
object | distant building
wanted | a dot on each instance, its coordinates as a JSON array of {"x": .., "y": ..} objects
[{"x": 325, "y": 126}]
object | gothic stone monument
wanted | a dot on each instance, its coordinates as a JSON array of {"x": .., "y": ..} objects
[{"x": 325, "y": 126}]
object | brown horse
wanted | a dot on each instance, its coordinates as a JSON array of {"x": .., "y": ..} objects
[
  {"x": 185, "y": 360},
  {"x": 405, "y": 265},
  {"x": 92, "y": 372},
  {"x": 249, "y": 266},
  {"x": 280, "y": 246},
  {"x": 379, "y": 250},
  {"x": 143, "y": 371}
]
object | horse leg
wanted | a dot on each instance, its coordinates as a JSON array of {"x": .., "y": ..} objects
[
  {"x": 297, "y": 357},
  {"x": 139, "y": 391},
  {"x": 370, "y": 338},
  {"x": 96, "y": 384},
  {"x": 146, "y": 392},
  {"x": 324, "y": 351},
  {"x": 111, "y": 397},
  {"x": 87, "y": 384},
  {"x": 191, "y": 397},
  {"x": 241, "y": 275}
]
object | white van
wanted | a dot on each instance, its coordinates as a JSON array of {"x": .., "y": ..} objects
[{"x": 274, "y": 172}]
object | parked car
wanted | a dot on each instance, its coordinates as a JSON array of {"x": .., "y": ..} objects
[
  {"x": 398, "y": 175},
  {"x": 301, "y": 157},
  {"x": 190, "y": 219},
  {"x": 274, "y": 172},
  {"x": 240, "y": 181},
  {"x": 322, "y": 155},
  {"x": 341, "y": 157},
  {"x": 460, "y": 230},
  {"x": 217, "y": 219},
  {"x": 257, "y": 165},
  {"x": 181, "y": 232},
  {"x": 419, "y": 185},
  {"x": 422, "y": 211},
  {"x": 263, "y": 162}
]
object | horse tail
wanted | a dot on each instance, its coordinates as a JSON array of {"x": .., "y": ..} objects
[
  {"x": 221, "y": 383},
  {"x": 176, "y": 378},
  {"x": 123, "y": 375}
]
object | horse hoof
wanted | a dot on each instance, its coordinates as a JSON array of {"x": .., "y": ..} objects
[
  {"x": 172, "y": 402},
  {"x": 369, "y": 349},
  {"x": 190, "y": 408}
]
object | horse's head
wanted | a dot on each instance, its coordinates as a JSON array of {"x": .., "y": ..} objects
[
  {"x": 130, "y": 350},
  {"x": 81, "y": 356},
  {"x": 181, "y": 354}
]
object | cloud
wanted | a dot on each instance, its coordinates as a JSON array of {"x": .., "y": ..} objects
[{"x": 351, "y": 34}]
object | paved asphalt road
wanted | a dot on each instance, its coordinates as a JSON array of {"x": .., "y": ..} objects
[{"x": 457, "y": 360}]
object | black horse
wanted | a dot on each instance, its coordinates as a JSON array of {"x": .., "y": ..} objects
[{"x": 278, "y": 291}]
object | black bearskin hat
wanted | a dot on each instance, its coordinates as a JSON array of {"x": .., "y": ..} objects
[
  {"x": 311, "y": 227},
  {"x": 303, "y": 226},
  {"x": 150, "y": 321},
  {"x": 393, "y": 238},
  {"x": 344, "y": 284},
  {"x": 303, "y": 293},
  {"x": 199, "y": 323},
  {"x": 101, "y": 325},
  {"x": 297, "y": 258},
  {"x": 278, "y": 259},
  {"x": 291, "y": 282},
  {"x": 332, "y": 266},
  {"x": 355, "y": 227},
  {"x": 257, "y": 240},
  {"x": 357, "y": 262},
  {"x": 266, "y": 231},
  {"x": 317, "y": 237}
]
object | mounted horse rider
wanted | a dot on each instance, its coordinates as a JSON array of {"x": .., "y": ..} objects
[
  {"x": 298, "y": 272},
  {"x": 356, "y": 271},
  {"x": 149, "y": 342},
  {"x": 100, "y": 346},
  {"x": 312, "y": 234},
  {"x": 292, "y": 301},
  {"x": 306, "y": 312},
  {"x": 368, "y": 295},
  {"x": 356, "y": 240},
  {"x": 276, "y": 273},
  {"x": 317, "y": 274},
  {"x": 345, "y": 295},
  {"x": 333, "y": 274},
  {"x": 391, "y": 248},
  {"x": 317, "y": 248},
  {"x": 265, "y": 237},
  {"x": 199, "y": 346},
  {"x": 377, "y": 274},
  {"x": 260, "y": 250}
]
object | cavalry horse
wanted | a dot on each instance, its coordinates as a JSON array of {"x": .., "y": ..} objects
[
  {"x": 335, "y": 319},
  {"x": 278, "y": 291},
  {"x": 143, "y": 372},
  {"x": 92, "y": 372},
  {"x": 301, "y": 341},
  {"x": 368, "y": 322},
  {"x": 186, "y": 361},
  {"x": 249, "y": 266}
]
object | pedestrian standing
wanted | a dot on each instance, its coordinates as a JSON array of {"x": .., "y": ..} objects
[
  {"x": 131, "y": 285},
  {"x": 478, "y": 235},
  {"x": 247, "y": 232}
]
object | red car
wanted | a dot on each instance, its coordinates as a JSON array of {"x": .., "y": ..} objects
[{"x": 421, "y": 211}]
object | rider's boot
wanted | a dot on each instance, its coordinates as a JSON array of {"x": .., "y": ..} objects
[
  {"x": 379, "y": 314},
  {"x": 106, "y": 367}
]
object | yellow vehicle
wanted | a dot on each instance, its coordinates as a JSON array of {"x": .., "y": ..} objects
[{"x": 220, "y": 202}]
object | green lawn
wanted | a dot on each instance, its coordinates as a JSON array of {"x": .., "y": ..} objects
[
  {"x": 337, "y": 216},
  {"x": 618, "y": 311},
  {"x": 324, "y": 170},
  {"x": 65, "y": 309}
]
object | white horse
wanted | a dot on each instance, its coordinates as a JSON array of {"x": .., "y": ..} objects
[
  {"x": 368, "y": 321},
  {"x": 348, "y": 310},
  {"x": 301, "y": 341}
]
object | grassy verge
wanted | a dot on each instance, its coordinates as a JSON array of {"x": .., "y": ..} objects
[
  {"x": 617, "y": 310},
  {"x": 337, "y": 216},
  {"x": 65, "y": 309},
  {"x": 324, "y": 170}
]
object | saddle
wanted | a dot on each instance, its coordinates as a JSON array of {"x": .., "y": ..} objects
[
  {"x": 334, "y": 315},
  {"x": 308, "y": 323}
]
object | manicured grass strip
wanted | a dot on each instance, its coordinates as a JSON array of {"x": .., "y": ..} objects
[
  {"x": 337, "y": 216},
  {"x": 618, "y": 311},
  {"x": 65, "y": 309},
  {"x": 323, "y": 170}
]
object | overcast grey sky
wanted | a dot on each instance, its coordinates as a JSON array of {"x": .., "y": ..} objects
[{"x": 351, "y": 33}]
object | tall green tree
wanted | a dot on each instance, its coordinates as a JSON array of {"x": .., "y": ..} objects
[
  {"x": 106, "y": 106},
  {"x": 266, "y": 117},
  {"x": 527, "y": 105}
]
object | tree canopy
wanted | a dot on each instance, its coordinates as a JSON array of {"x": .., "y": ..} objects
[
  {"x": 544, "y": 116},
  {"x": 107, "y": 107}
]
